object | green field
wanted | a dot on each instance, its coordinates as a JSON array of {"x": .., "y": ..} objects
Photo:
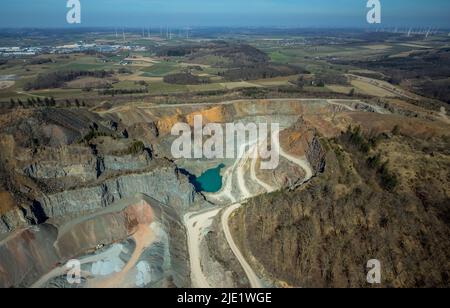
[
  {"x": 161, "y": 69},
  {"x": 162, "y": 88}
]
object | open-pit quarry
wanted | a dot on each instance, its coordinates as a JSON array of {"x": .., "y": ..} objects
[{"x": 101, "y": 186}]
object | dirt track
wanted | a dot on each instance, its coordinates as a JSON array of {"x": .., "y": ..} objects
[
  {"x": 197, "y": 223},
  {"x": 125, "y": 278}
]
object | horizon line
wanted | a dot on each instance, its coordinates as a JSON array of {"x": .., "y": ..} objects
[{"x": 330, "y": 27}]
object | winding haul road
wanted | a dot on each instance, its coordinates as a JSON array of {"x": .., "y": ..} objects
[
  {"x": 254, "y": 280},
  {"x": 198, "y": 223}
]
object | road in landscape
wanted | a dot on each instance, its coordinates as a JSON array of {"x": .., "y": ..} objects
[
  {"x": 198, "y": 223},
  {"x": 267, "y": 187},
  {"x": 301, "y": 161},
  {"x": 254, "y": 280},
  {"x": 110, "y": 253},
  {"x": 143, "y": 238}
]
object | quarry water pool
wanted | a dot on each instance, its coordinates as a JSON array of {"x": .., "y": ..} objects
[{"x": 210, "y": 181}]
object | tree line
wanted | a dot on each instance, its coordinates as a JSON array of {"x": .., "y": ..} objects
[
  {"x": 58, "y": 79},
  {"x": 261, "y": 71},
  {"x": 33, "y": 102},
  {"x": 185, "y": 79},
  {"x": 114, "y": 92}
]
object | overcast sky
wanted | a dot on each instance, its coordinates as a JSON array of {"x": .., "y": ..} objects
[{"x": 283, "y": 13}]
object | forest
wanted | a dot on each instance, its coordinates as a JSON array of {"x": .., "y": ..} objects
[{"x": 59, "y": 78}]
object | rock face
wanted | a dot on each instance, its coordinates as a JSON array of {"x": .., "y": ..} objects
[
  {"x": 28, "y": 254},
  {"x": 88, "y": 168},
  {"x": 315, "y": 154},
  {"x": 48, "y": 170},
  {"x": 164, "y": 185},
  {"x": 96, "y": 230},
  {"x": 11, "y": 220},
  {"x": 75, "y": 164},
  {"x": 126, "y": 162}
]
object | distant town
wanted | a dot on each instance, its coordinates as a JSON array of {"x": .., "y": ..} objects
[{"x": 64, "y": 49}]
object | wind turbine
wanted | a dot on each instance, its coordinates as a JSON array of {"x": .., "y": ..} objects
[
  {"x": 428, "y": 33},
  {"x": 187, "y": 32}
]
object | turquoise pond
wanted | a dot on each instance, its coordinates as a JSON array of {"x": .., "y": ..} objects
[{"x": 210, "y": 181}]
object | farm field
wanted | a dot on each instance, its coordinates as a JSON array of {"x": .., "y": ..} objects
[{"x": 178, "y": 66}]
